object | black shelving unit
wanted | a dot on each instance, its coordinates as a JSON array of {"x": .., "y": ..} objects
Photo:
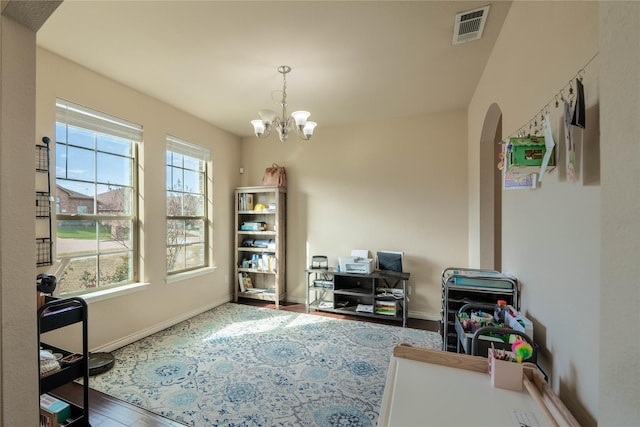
[
  {"x": 346, "y": 291},
  {"x": 44, "y": 201},
  {"x": 56, "y": 314}
]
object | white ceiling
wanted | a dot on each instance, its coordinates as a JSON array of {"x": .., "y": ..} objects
[{"x": 352, "y": 61}]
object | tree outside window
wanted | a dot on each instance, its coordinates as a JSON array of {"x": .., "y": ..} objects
[
  {"x": 96, "y": 213},
  {"x": 187, "y": 220}
]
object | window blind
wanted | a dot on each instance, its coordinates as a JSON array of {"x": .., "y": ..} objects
[
  {"x": 185, "y": 148},
  {"x": 83, "y": 117}
]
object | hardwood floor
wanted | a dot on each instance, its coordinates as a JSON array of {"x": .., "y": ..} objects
[
  {"x": 107, "y": 411},
  {"x": 427, "y": 325}
]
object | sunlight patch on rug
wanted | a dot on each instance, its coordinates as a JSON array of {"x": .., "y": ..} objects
[{"x": 238, "y": 365}]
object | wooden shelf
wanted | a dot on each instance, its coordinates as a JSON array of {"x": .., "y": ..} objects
[{"x": 274, "y": 219}]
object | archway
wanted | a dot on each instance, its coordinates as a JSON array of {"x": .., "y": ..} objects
[{"x": 491, "y": 191}]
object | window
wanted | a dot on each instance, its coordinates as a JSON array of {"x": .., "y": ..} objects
[
  {"x": 96, "y": 229},
  {"x": 187, "y": 219}
]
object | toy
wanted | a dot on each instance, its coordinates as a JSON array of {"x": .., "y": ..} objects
[{"x": 522, "y": 350}]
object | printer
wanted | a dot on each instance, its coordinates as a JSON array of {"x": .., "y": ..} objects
[{"x": 355, "y": 264}]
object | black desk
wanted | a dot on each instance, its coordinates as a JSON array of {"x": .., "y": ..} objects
[{"x": 384, "y": 292}]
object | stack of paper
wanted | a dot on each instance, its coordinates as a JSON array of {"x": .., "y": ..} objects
[{"x": 364, "y": 308}]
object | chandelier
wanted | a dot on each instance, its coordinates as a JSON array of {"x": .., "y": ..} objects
[{"x": 298, "y": 121}]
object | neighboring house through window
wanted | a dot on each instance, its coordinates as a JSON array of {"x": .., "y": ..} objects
[
  {"x": 187, "y": 218},
  {"x": 96, "y": 194}
]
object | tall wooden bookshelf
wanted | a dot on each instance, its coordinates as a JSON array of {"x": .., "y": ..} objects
[{"x": 260, "y": 241}]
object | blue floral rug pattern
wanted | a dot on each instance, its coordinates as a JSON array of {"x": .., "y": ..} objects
[{"x": 239, "y": 365}]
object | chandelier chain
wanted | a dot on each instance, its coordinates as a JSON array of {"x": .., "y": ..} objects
[{"x": 284, "y": 92}]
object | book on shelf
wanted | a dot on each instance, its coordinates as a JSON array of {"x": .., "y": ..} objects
[
  {"x": 241, "y": 283},
  {"x": 253, "y": 226},
  {"x": 244, "y": 281},
  {"x": 245, "y": 202}
]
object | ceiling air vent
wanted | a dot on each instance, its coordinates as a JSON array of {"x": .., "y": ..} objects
[{"x": 469, "y": 25}]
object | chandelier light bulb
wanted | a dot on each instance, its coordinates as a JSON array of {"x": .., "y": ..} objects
[
  {"x": 308, "y": 129},
  {"x": 301, "y": 118},
  {"x": 258, "y": 127},
  {"x": 267, "y": 116}
]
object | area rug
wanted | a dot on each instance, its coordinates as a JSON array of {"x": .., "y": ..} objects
[{"x": 239, "y": 365}]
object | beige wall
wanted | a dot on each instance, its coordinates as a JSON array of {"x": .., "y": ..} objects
[
  {"x": 551, "y": 236},
  {"x": 619, "y": 292},
  {"x": 115, "y": 321},
  {"x": 394, "y": 185},
  {"x": 339, "y": 197},
  {"x": 18, "y": 348}
]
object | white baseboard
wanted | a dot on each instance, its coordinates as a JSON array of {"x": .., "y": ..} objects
[
  {"x": 184, "y": 316},
  {"x": 158, "y": 327},
  {"x": 424, "y": 316}
]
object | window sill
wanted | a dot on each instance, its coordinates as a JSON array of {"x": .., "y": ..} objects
[
  {"x": 114, "y": 292},
  {"x": 189, "y": 274}
]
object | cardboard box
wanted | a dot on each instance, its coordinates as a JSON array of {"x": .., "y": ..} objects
[{"x": 505, "y": 373}]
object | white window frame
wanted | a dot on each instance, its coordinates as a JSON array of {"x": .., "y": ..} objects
[
  {"x": 203, "y": 155},
  {"x": 74, "y": 115}
]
